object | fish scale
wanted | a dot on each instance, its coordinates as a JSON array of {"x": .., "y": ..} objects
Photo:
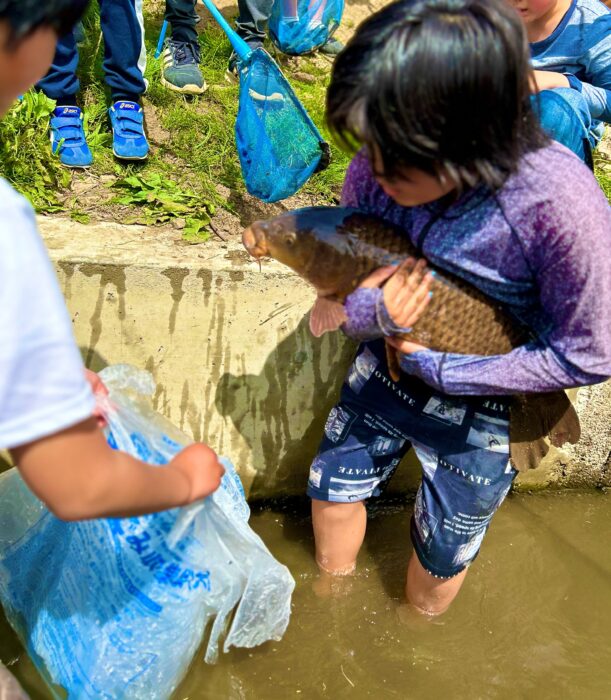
[{"x": 335, "y": 248}]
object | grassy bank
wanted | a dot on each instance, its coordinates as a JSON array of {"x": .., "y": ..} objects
[{"x": 193, "y": 168}]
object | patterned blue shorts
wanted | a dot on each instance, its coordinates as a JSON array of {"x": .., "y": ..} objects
[{"x": 461, "y": 442}]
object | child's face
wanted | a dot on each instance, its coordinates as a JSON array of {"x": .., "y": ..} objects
[
  {"x": 412, "y": 187},
  {"x": 21, "y": 66},
  {"x": 532, "y": 10}
]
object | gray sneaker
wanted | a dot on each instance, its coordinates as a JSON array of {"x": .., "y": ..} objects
[{"x": 180, "y": 68}]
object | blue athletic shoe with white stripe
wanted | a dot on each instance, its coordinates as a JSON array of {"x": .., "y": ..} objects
[
  {"x": 128, "y": 138},
  {"x": 68, "y": 137}
]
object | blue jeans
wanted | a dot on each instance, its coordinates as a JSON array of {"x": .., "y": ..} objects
[
  {"x": 122, "y": 27},
  {"x": 182, "y": 17},
  {"x": 565, "y": 117}
]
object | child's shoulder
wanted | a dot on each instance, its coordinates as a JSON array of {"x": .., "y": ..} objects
[
  {"x": 591, "y": 9},
  {"x": 554, "y": 189},
  {"x": 553, "y": 171}
]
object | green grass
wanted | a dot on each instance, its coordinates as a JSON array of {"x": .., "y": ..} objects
[
  {"x": 192, "y": 140},
  {"x": 192, "y": 150}
]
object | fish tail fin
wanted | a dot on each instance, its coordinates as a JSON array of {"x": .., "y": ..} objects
[{"x": 535, "y": 417}]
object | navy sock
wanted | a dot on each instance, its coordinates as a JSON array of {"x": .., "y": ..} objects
[
  {"x": 66, "y": 101},
  {"x": 125, "y": 97}
]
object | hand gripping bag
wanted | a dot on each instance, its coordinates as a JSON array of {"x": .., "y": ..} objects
[{"x": 117, "y": 608}]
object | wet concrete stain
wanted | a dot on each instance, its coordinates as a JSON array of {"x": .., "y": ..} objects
[
  {"x": 177, "y": 276},
  {"x": 206, "y": 277},
  {"x": 68, "y": 269},
  {"x": 238, "y": 257},
  {"x": 109, "y": 274}
]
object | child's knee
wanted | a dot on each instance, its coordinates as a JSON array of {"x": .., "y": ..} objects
[{"x": 336, "y": 513}]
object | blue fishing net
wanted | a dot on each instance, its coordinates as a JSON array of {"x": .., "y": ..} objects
[
  {"x": 278, "y": 145},
  {"x": 301, "y": 26}
]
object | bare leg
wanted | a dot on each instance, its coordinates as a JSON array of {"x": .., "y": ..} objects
[
  {"x": 427, "y": 594},
  {"x": 319, "y": 6},
  {"x": 339, "y": 530},
  {"x": 9, "y": 688},
  {"x": 289, "y": 8}
]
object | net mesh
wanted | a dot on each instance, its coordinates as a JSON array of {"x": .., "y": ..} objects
[
  {"x": 301, "y": 26},
  {"x": 278, "y": 145}
]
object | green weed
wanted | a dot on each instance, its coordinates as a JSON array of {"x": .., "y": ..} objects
[
  {"x": 25, "y": 153},
  {"x": 160, "y": 200}
]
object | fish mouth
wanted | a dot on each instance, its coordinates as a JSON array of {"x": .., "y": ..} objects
[{"x": 255, "y": 241}]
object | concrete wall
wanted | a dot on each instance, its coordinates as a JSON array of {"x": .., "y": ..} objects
[{"x": 234, "y": 361}]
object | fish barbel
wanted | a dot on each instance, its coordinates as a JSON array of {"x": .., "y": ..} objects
[{"x": 335, "y": 249}]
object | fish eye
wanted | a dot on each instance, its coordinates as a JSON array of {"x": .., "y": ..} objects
[{"x": 290, "y": 238}]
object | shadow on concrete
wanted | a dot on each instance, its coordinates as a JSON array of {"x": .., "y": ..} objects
[{"x": 269, "y": 409}]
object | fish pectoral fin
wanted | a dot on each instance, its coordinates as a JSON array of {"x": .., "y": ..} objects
[
  {"x": 535, "y": 417},
  {"x": 326, "y": 315}
]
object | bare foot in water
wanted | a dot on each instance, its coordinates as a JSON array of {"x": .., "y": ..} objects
[
  {"x": 412, "y": 618},
  {"x": 333, "y": 584}
]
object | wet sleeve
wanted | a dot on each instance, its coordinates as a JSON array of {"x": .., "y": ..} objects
[
  {"x": 42, "y": 385},
  {"x": 569, "y": 255}
]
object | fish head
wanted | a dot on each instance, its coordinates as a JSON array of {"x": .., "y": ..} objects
[{"x": 316, "y": 242}]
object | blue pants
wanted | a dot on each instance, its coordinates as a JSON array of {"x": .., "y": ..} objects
[
  {"x": 565, "y": 116},
  {"x": 182, "y": 18},
  {"x": 124, "y": 55},
  {"x": 462, "y": 443}
]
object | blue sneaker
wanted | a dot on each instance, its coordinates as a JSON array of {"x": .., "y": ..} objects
[
  {"x": 128, "y": 138},
  {"x": 68, "y": 137}
]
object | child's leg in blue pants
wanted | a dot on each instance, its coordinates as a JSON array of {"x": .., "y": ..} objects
[
  {"x": 252, "y": 19},
  {"x": 565, "y": 116},
  {"x": 182, "y": 18},
  {"x": 124, "y": 55}
]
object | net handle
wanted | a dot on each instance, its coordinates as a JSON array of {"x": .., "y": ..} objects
[{"x": 239, "y": 45}]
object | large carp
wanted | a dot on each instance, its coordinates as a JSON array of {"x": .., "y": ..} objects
[{"x": 335, "y": 248}]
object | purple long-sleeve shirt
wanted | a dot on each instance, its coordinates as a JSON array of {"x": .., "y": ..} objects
[{"x": 541, "y": 245}]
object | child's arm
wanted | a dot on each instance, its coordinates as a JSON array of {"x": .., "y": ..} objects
[
  {"x": 595, "y": 85},
  {"x": 572, "y": 267},
  {"x": 78, "y": 476}
]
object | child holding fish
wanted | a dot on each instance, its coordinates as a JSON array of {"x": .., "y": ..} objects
[{"x": 434, "y": 95}]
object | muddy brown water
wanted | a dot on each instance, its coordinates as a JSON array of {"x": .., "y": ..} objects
[{"x": 532, "y": 621}]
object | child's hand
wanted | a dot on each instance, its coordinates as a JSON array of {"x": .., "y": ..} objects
[
  {"x": 407, "y": 292},
  {"x": 200, "y": 465},
  {"x": 548, "y": 80},
  {"x": 98, "y": 387}
]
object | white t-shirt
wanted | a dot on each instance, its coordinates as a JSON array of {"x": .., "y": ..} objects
[{"x": 42, "y": 384}]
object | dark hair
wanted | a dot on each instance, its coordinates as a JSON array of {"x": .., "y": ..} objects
[
  {"x": 25, "y": 16},
  {"x": 436, "y": 84}
]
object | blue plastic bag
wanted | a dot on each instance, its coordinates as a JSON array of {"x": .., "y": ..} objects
[
  {"x": 116, "y": 609},
  {"x": 301, "y": 26}
]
